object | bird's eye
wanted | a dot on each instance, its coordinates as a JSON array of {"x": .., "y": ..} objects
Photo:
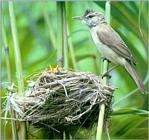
[{"x": 90, "y": 16}]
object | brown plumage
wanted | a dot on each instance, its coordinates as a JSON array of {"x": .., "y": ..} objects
[
  {"x": 110, "y": 44},
  {"x": 111, "y": 39}
]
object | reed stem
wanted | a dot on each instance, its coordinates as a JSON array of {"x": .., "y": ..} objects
[
  {"x": 16, "y": 50},
  {"x": 65, "y": 42},
  {"x": 62, "y": 50},
  {"x": 5, "y": 44},
  {"x": 17, "y": 54},
  {"x": 62, "y": 43},
  {"x": 59, "y": 33},
  {"x": 0, "y": 69},
  {"x": 105, "y": 68},
  {"x": 72, "y": 53}
]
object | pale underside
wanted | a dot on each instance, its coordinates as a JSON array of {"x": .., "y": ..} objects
[{"x": 105, "y": 51}]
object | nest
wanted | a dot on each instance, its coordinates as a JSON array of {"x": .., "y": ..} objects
[{"x": 61, "y": 98}]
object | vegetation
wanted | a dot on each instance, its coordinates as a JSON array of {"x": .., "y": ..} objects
[{"x": 41, "y": 27}]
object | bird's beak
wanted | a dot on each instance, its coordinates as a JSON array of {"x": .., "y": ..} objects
[{"x": 78, "y": 17}]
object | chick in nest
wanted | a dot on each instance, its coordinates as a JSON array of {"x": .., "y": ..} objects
[{"x": 54, "y": 70}]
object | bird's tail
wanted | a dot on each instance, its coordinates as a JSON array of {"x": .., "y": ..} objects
[{"x": 135, "y": 76}]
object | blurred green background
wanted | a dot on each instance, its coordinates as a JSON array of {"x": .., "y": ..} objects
[{"x": 36, "y": 24}]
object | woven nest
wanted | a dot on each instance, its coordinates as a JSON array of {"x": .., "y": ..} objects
[{"x": 62, "y": 98}]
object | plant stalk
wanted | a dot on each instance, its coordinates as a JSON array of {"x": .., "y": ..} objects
[
  {"x": 65, "y": 43},
  {"x": 59, "y": 35},
  {"x": 72, "y": 53},
  {"x": 62, "y": 43},
  {"x": 19, "y": 73},
  {"x": 105, "y": 81},
  {"x": 71, "y": 46},
  {"x": 5, "y": 44},
  {"x": 62, "y": 50},
  {"x": 16, "y": 50},
  {"x": 0, "y": 70}
]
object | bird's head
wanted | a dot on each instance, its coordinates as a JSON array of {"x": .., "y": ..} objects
[{"x": 91, "y": 18}]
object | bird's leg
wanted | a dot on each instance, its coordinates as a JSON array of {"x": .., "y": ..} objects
[
  {"x": 106, "y": 73},
  {"x": 109, "y": 70}
]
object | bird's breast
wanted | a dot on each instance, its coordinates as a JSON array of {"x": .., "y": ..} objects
[{"x": 106, "y": 51}]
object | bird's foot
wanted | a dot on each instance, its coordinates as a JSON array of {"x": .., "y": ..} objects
[
  {"x": 106, "y": 74},
  {"x": 103, "y": 59},
  {"x": 108, "y": 71}
]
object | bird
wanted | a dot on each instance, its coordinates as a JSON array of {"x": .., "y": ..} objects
[{"x": 110, "y": 44}]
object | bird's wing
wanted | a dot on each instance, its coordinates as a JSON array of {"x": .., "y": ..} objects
[{"x": 111, "y": 39}]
